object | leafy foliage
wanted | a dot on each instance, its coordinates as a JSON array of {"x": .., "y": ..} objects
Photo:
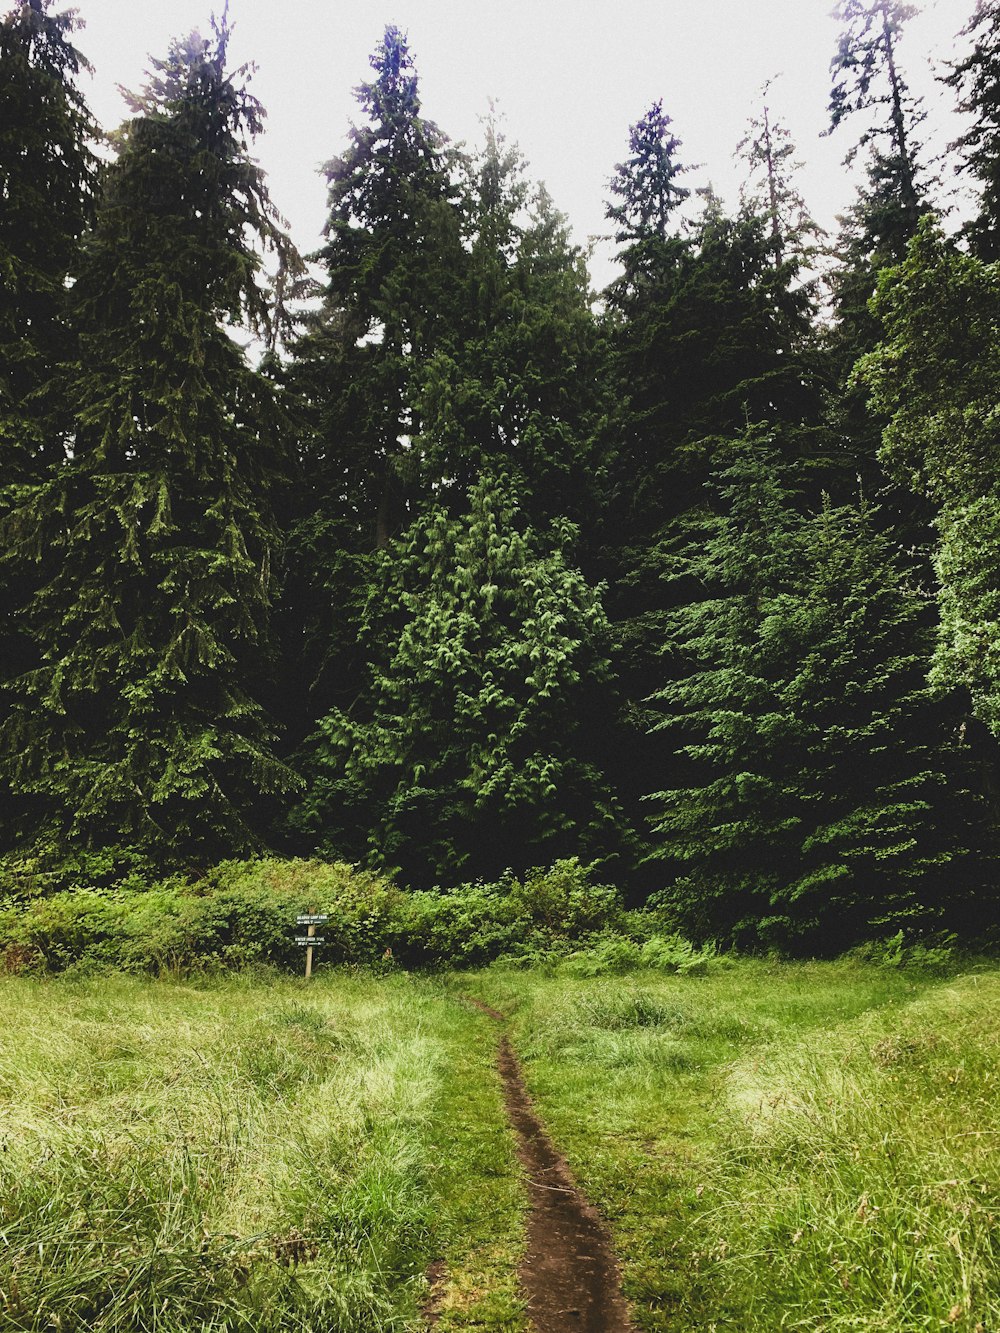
[{"x": 243, "y": 914}]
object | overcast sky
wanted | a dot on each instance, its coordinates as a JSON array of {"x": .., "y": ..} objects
[{"x": 570, "y": 76}]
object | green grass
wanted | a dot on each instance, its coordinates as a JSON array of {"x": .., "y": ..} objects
[
  {"x": 780, "y": 1146},
  {"x": 237, "y": 1155},
  {"x": 776, "y": 1146}
]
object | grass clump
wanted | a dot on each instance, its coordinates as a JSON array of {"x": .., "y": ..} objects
[{"x": 866, "y": 1171}]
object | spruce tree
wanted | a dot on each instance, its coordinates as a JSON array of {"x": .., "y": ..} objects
[
  {"x": 47, "y": 183},
  {"x": 48, "y": 176},
  {"x": 869, "y": 83},
  {"x": 825, "y": 800},
  {"x": 139, "y": 728},
  {"x": 393, "y": 259},
  {"x": 870, "y": 88},
  {"x": 770, "y": 191},
  {"x": 514, "y": 386},
  {"x": 706, "y": 332}
]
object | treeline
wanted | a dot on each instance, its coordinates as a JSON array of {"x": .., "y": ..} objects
[{"x": 698, "y": 581}]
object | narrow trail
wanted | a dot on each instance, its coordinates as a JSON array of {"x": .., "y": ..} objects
[{"x": 569, "y": 1274}]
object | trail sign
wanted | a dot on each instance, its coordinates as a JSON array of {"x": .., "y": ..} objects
[{"x": 310, "y": 940}]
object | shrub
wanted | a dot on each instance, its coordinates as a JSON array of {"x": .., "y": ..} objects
[{"x": 242, "y": 913}]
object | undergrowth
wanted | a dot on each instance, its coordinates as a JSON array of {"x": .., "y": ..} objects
[{"x": 243, "y": 913}]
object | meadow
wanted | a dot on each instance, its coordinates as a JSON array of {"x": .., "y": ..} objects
[{"x": 774, "y": 1146}]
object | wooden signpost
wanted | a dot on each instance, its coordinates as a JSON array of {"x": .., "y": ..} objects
[{"x": 310, "y": 940}]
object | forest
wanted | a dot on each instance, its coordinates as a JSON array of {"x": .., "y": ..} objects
[{"x": 419, "y": 555}]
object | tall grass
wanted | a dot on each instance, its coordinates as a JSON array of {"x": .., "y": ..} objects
[
  {"x": 228, "y": 1156},
  {"x": 780, "y": 1146},
  {"x": 860, "y": 1182}
]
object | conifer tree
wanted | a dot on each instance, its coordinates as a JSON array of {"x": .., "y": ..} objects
[
  {"x": 139, "y": 727},
  {"x": 393, "y": 259},
  {"x": 936, "y": 379},
  {"x": 976, "y": 79},
  {"x": 869, "y": 82},
  {"x": 770, "y": 190},
  {"x": 475, "y": 743},
  {"x": 514, "y": 387},
  {"x": 47, "y": 183},
  {"x": 705, "y": 333},
  {"x": 870, "y": 87},
  {"x": 824, "y": 799}
]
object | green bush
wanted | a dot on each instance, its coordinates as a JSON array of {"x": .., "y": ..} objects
[
  {"x": 242, "y": 913},
  {"x": 476, "y": 924}
]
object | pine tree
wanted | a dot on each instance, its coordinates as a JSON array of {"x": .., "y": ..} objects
[
  {"x": 392, "y": 256},
  {"x": 514, "y": 387},
  {"x": 770, "y": 190},
  {"x": 393, "y": 259},
  {"x": 824, "y": 800},
  {"x": 870, "y": 86},
  {"x": 706, "y": 333},
  {"x": 976, "y": 79},
  {"x": 139, "y": 728},
  {"x": 475, "y": 743},
  {"x": 868, "y": 79}
]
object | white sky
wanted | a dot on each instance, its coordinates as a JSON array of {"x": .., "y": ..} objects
[{"x": 570, "y": 76}]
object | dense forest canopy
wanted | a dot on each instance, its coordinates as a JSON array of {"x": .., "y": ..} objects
[{"x": 453, "y": 565}]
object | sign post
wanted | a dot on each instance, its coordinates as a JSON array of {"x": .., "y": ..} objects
[{"x": 310, "y": 940}]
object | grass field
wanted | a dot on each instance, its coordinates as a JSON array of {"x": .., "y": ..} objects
[
  {"x": 780, "y": 1146},
  {"x": 776, "y": 1146},
  {"x": 243, "y": 1155}
]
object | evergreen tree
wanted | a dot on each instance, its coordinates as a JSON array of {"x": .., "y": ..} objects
[
  {"x": 140, "y": 727},
  {"x": 475, "y": 742},
  {"x": 514, "y": 388},
  {"x": 393, "y": 255},
  {"x": 770, "y": 191},
  {"x": 870, "y": 86},
  {"x": 976, "y": 79},
  {"x": 869, "y": 81},
  {"x": 47, "y": 183},
  {"x": 936, "y": 379},
  {"x": 823, "y": 803},
  {"x": 393, "y": 259},
  {"x": 706, "y": 332}
]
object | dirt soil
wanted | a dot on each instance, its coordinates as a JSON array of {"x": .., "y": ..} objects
[{"x": 569, "y": 1275}]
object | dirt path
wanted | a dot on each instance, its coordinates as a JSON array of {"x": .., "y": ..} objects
[{"x": 569, "y": 1274}]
